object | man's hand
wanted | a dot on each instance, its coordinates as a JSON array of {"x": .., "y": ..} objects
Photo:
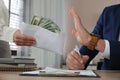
[
  {"x": 75, "y": 61},
  {"x": 81, "y": 34},
  {"x": 23, "y": 40}
]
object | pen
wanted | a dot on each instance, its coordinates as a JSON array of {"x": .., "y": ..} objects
[{"x": 77, "y": 49}]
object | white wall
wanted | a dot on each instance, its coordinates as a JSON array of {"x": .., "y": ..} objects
[{"x": 90, "y": 10}]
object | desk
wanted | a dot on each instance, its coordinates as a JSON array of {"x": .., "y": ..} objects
[{"x": 105, "y": 75}]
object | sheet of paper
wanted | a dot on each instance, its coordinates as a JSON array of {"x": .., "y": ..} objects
[
  {"x": 87, "y": 73},
  {"x": 32, "y": 72},
  {"x": 61, "y": 71},
  {"x": 82, "y": 72},
  {"x": 45, "y": 39}
]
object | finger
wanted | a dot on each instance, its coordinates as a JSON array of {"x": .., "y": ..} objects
[
  {"x": 28, "y": 38},
  {"x": 74, "y": 32},
  {"x": 77, "y": 57},
  {"x": 28, "y": 44},
  {"x": 23, "y": 41},
  {"x": 76, "y": 18},
  {"x": 18, "y": 35},
  {"x": 73, "y": 66},
  {"x": 24, "y": 37},
  {"x": 68, "y": 64},
  {"x": 73, "y": 12},
  {"x": 85, "y": 58},
  {"x": 24, "y": 44},
  {"x": 72, "y": 60},
  {"x": 72, "y": 63}
]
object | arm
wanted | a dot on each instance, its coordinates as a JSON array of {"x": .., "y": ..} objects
[
  {"x": 14, "y": 35},
  {"x": 83, "y": 37},
  {"x": 100, "y": 44},
  {"x": 104, "y": 27},
  {"x": 10, "y": 34},
  {"x": 108, "y": 27}
]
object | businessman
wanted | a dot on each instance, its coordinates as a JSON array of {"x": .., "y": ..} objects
[
  {"x": 11, "y": 34},
  {"x": 105, "y": 38}
]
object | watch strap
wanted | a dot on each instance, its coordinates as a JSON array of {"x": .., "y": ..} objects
[{"x": 94, "y": 39}]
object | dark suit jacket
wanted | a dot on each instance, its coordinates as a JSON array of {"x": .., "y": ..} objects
[{"x": 108, "y": 26}]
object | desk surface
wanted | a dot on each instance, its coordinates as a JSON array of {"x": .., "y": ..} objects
[{"x": 105, "y": 75}]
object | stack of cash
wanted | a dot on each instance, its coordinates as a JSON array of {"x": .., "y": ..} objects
[{"x": 45, "y": 23}]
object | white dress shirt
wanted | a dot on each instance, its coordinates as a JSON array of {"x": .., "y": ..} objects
[{"x": 106, "y": 53}]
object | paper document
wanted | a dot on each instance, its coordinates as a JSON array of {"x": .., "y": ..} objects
[
  {"x": 45, "y": 39},
  {"x": 48, "y": 71}
]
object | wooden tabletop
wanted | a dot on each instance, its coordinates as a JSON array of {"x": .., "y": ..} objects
[{"x": 105, "y": 75}]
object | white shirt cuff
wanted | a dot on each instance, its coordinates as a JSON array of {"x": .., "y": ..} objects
[
  {"x": 8, "y": 34},
  {"x": 106, "y": 53}
]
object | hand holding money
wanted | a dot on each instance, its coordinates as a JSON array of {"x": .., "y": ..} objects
[{"x": 45, "y": 23}]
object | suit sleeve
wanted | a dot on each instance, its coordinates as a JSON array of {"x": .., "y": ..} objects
[
  {"x": 7, "y": 34},
  {"x": 114, "y": 44},
  {"x": 97, "y": 30}
]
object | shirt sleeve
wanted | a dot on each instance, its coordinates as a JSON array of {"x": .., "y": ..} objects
[
  {"x": 7, "y": 34},
  {"x": 106, "y": 53}
]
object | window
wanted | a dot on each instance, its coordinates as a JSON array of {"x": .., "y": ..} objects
[
  {"x": 16, "y": 9},
  {"x": 6, "y": 3},
  {"x": 16, "y": 13}
]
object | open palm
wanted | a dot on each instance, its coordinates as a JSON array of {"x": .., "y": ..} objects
[{"x": 81, "y": 34}]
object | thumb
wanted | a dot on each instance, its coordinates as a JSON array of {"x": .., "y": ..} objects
[
  {"x": 85, "y": 58},
  {"x": 74, "y": 32}
]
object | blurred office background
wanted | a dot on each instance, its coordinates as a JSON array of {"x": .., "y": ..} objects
[{"x": 58, "y": 11}]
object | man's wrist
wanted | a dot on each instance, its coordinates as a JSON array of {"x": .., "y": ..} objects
[{"x": 100, "y": 46}]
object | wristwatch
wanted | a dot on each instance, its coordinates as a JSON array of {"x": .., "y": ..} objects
[{"x": 94, "y": 39}]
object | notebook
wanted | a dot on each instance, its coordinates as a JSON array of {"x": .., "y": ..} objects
[
  {"x": 16, "y": 60},
  {"x": 16, "y": 69}
]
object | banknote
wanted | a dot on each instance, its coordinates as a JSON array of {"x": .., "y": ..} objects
[
  {"x": 35, "y": 21},
  {"x": 46, "y": 23}
]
